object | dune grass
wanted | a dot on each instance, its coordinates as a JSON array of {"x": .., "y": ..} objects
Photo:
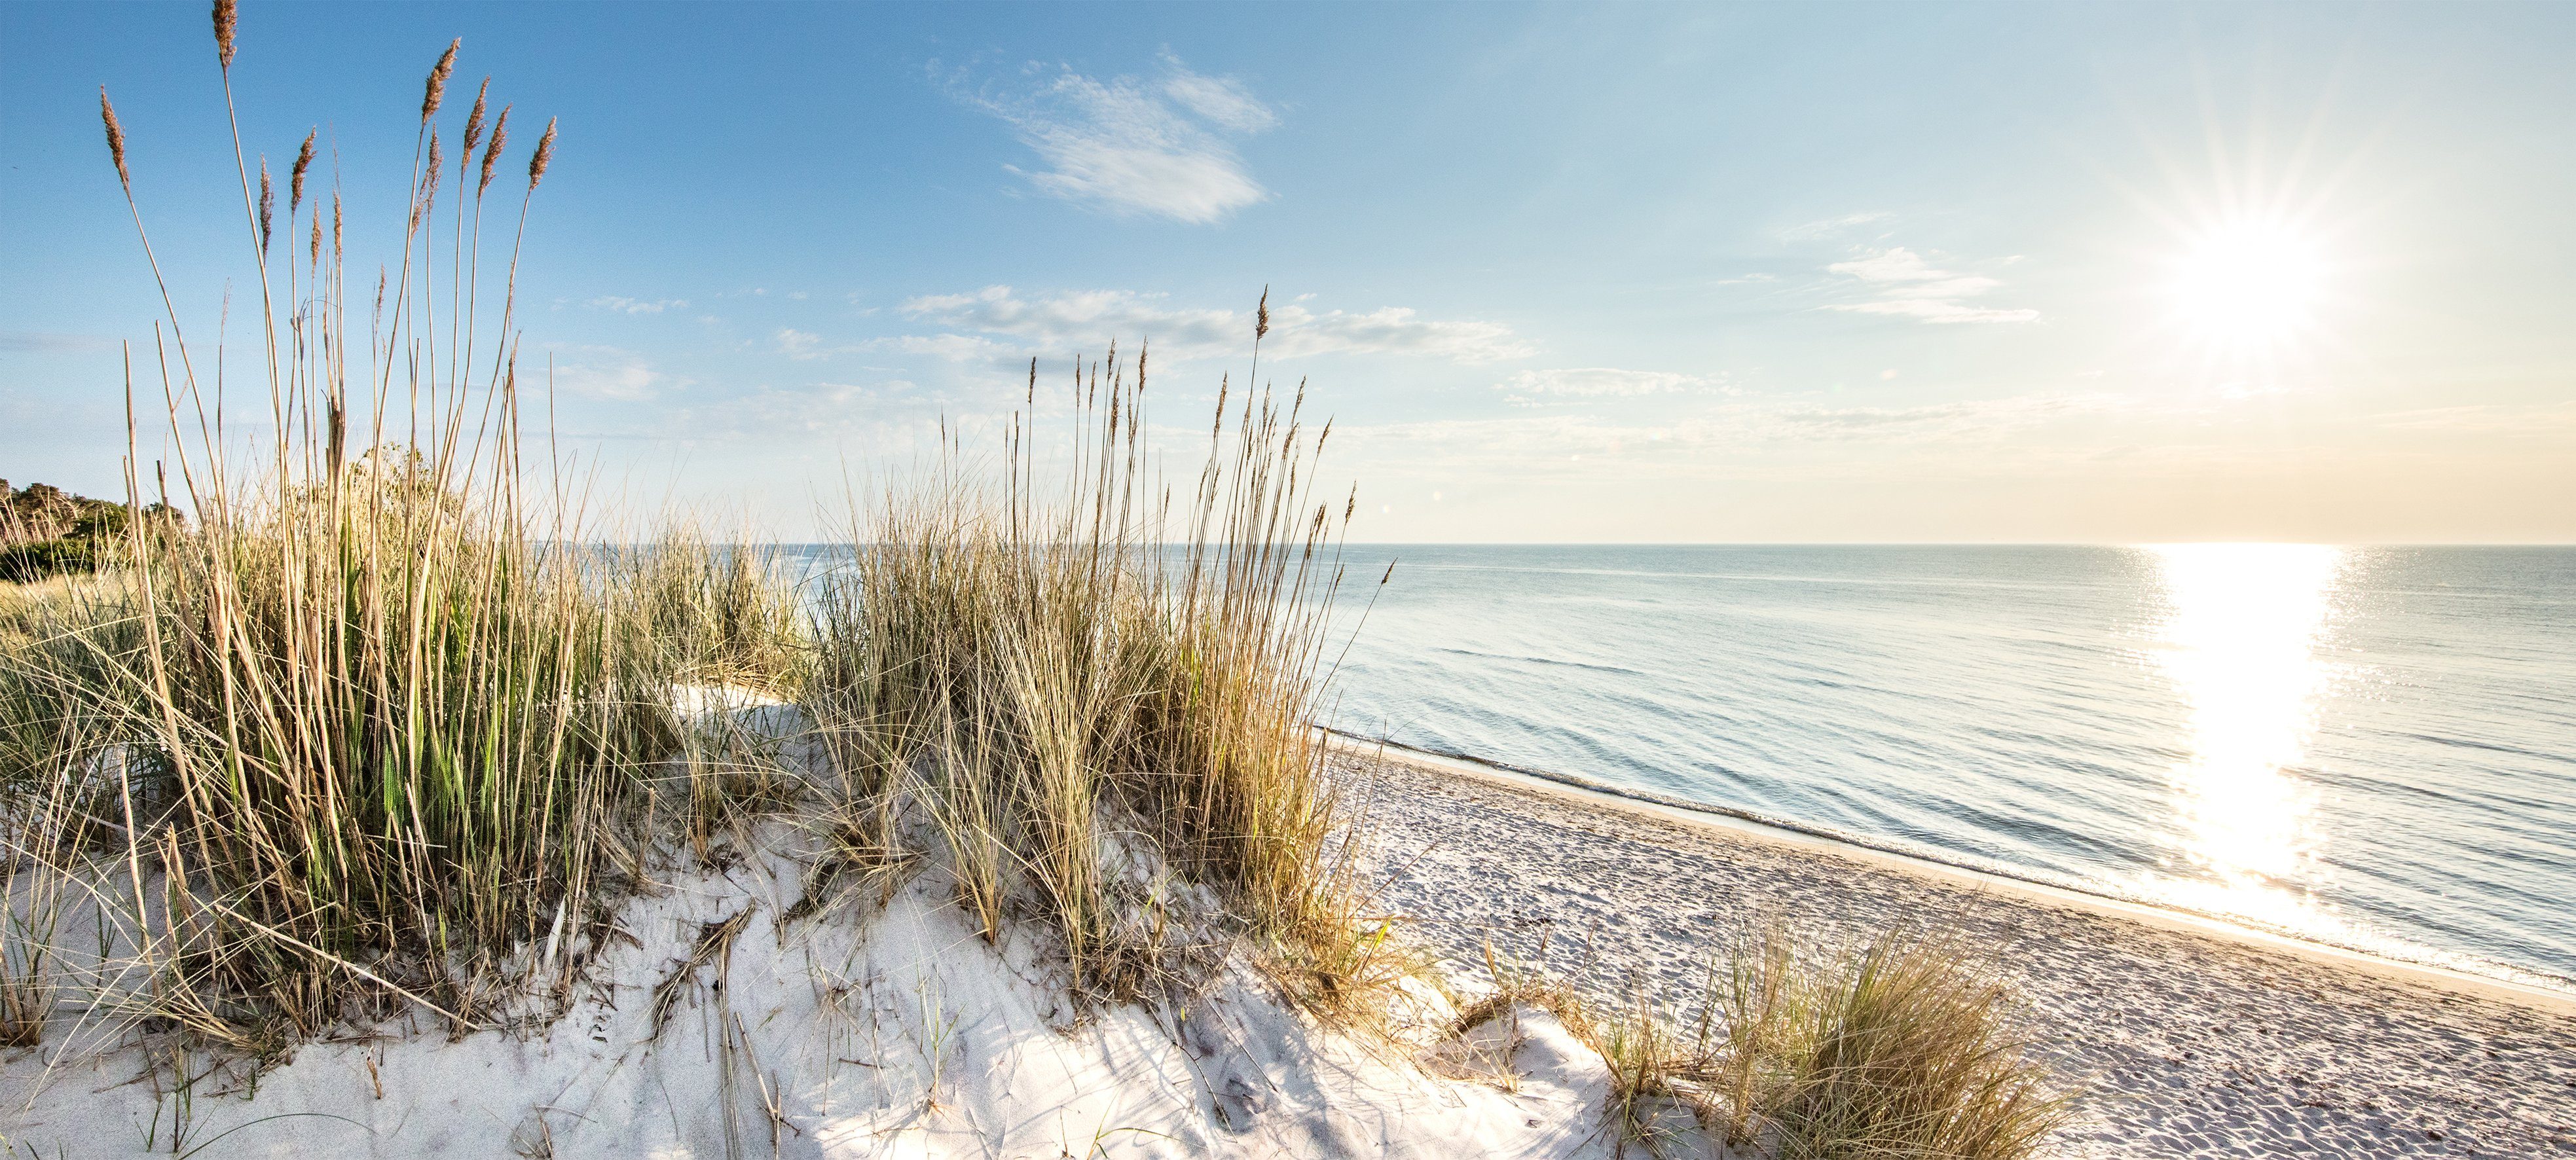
[
  {"x": 1099, "y": 698},
  {"x": 373, "y": 729},
  {"x": 1907, "y": 1045},
  {"x": 380, "y": 718},
  {"x": 362, "y": 720}
]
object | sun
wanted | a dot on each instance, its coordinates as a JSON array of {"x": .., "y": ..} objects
[{"x": 2250, "y": 284}]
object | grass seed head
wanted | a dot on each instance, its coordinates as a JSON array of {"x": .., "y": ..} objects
[
  {"x": 429, "y": 180},
  {"x": 438, "y": 74},
  {"x": 545, "y": 155},
  {"x": 115, "y": 140},
  {"x": 295, "y": 179},
  {"x": 226, "y": 15},
  {"x": 267, "y": 205},
  {"x": 474, "y": 126},
  {"x": 1261, "y": 327},
  {"x": 492, "y": 152}
]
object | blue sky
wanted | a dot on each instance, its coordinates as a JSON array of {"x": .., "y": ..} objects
[{"x": 1641, "y": 273}]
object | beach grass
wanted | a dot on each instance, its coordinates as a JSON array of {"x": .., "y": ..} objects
[
  {"x": 1102, "y": 699},
  {"x": 362, "y": 726},
  {"x": 1910, "y": 1043},
  {"x": 388, "y": 711},
  {"x": 1906, "y": 1044},
  {"x": 388, "y": 723}
]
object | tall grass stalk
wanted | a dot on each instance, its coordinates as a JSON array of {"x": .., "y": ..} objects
[
  {"x": 372, "y": 721},
  {"x": 380, "y": 710},
  {"x": 1095, "y": 687}
]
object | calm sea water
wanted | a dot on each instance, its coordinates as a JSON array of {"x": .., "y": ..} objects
[{"x": 2374, "y": 747}]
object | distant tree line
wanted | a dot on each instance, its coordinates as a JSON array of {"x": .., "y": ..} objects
[{"x": 46, "y": 531}]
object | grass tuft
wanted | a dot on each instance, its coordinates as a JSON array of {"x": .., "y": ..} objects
[
  {"x": 1909, "y": 1045},
  {"x": 1090, "y": 689}
]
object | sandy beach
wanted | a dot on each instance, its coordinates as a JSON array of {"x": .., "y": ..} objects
[
  {"x": 716, "y": 657},
  {"x": 2196, "y": 1042},
  {"x": 705, "y": 1022}
]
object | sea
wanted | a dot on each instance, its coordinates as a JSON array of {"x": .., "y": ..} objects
[{"x": 2370, "y": 747}]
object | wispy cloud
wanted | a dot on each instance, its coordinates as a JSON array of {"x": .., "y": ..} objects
[
  {"x": 610, "y": 374},
  {"x": 1907, "y": 285},
  {"x": 1599, "y": 382},
  {"x": 37, "y": 342},
  {"x": 1965, "y": 419},
  {"x": 1136, "y": 146},
  {"x": 2546, "y": 421},
  {"x": 1091, "y": 317},
  {"x": 639, "y": 306},
  {"x": 962, "y": 348},
  {"x": 1523, "y": 442},
  {"x": 1222, "y": 101},
  {"x": 1832, "y": 227},
  {"x": 796, "y": 343}
]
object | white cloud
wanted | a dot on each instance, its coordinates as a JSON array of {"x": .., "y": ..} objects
[
  {"x": 1971, "y": 418},
  {"x": 1731, "y": 427},
  {"x": 41, "y": 343},
  {"x": 1222, "y": 101},
  {"x": 1830, "y": 227},
  {"x": 1940, "y": 310},
  {"x": 1093, "y": 317},
  {"x": 964, "y": 348},
  {"x": 1134, "y": 147},
  {"x": 1597, "y": 382},
  {"x": 639, "y": 306},
  {"x": 796, "y": 343},
  {"x": 1908, "y": 286},
  {"x": 609, "y": 374}
]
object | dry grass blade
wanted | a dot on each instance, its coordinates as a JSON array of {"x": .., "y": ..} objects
[{"x": 714, "y": 944}]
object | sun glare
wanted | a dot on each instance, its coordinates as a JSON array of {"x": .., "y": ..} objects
[
  {"x": 2241, "y": 644},
  {"x": 2249, "y": 284}
]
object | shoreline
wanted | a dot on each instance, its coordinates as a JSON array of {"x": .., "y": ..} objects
[
  {"x": 1596, "y": 793},
  {"x": 2189, "y": 1038}
]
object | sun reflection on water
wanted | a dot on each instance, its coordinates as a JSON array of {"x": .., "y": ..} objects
[{"x": 2240, "y": 643}]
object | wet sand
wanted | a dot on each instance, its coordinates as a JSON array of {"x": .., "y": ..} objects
[{"x": 2196, "y": 1041}]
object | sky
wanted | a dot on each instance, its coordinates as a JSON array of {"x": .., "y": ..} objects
[{"x": 1632, "y": 273}]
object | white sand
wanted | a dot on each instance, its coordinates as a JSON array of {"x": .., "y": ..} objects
[
  {"x": 900, "y": 1033},
  {"x": 2201, "y": 1043},
  {"x": 907, "y": 1036},
  {"x": 895, "y": 1033}
]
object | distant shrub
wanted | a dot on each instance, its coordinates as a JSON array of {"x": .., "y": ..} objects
[
  {"x": 24, "y": 563},
  {"x": 46, "y": 531}
]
